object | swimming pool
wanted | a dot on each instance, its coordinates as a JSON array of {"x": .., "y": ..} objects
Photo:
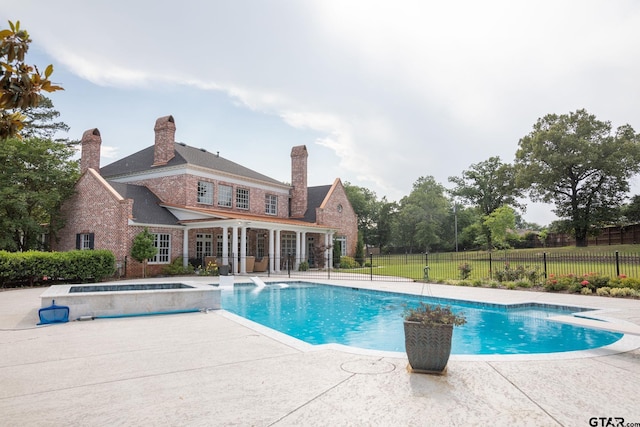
[{"x": 324, "y": 314}]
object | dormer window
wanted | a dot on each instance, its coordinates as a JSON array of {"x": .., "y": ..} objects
[{"x": 205, "y": 192}]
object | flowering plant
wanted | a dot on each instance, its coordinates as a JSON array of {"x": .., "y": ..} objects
[{"x": 434, "y": 315}]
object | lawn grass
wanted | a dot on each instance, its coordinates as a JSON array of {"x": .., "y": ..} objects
[{"x": 484, "y": 265}]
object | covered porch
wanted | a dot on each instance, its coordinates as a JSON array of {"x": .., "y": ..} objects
[{"x": 243, "y": 242}]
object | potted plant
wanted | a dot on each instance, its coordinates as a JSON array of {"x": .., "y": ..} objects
[{"x": 427, "y": 336}]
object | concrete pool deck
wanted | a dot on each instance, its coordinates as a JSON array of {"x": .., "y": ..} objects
[{"x": 209, "y": 369}]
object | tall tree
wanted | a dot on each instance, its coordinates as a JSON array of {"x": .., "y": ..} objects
[
  {"x": 36, "y": 176},
  {"x": 20, "y": 84},
  {"x": 577, "y": 163},
  {"x": 386, "y": 215},
  {"x": 41, "y": 122},
  {"x": 487, "y": 185},
  {"x": 421, "y": 214},
  {"x": 366, "y": 205},
  {"x": 500, "y": 221}
]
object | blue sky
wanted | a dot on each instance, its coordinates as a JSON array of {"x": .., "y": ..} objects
[{"x": 380, "y": 92}]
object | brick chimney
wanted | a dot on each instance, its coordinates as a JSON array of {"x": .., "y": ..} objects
[
  {"x": 299, "y": 181},
  {"x": 164, "y": 149},
  {"x": 90, "y": 154}
]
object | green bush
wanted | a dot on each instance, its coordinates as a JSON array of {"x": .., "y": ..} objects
[
  {"x": 176, "y": 268},
  {"x": 603, "y": 292},
  {"x": 623, "y": 292},
  {"x": 465, "y": 270},
  {"x": 348, "y": 262},
  {"x": 304, "y": 266},
  {"x": 521, "y": 272},
  {"x": 35, "y": 267}
]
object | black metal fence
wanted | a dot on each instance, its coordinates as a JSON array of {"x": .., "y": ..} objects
[{"x": 474, "y": 266}]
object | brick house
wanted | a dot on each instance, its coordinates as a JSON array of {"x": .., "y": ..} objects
[{"x": 198, "y": 204}]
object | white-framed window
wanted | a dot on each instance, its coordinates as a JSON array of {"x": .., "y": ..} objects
[
  {"x": 205, "y": 192},
  {"x": 260, "y": 245},
  {"x": 342, "y": 241},
  {"x": 271, "y": 204},
  {"x": 84, "y": 241},
  {"x": 225, "y": 195},
  {"x": 163, "y": 243},
  {"x": 287, "y": 247},
  {"x": 204, "y": 245},
  {"x": 242, "y": 198}
]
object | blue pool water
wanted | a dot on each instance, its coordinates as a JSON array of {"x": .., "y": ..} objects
[{"x": 323, "y": 314}]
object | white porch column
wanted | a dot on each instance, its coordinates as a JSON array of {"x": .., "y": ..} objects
[
  {"x": 225, "y": 246},
  {"x": 277, "y": 252},
  {"x": 185, "y": 247},
  {"x": 271, "y": 249},
  {"x": 234, "y": 248},
  {"x": 243, "y": 250},
  {"x": 330, "y": 235},
  {"x": 326, "y": 250},
  {"x": 303, "y": 247},
  {"x": 296, "y": 263}
]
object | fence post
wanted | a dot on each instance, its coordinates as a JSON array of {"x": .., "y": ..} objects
[
  {"x": 329, "y": 256},
  {"x": 544, "y": 264},
  {"x": 371, "y": 267},
  {"x": 289, "y": 264},
  {"x": 617, "y": 264},
  {"x": 490, "y": 267}
]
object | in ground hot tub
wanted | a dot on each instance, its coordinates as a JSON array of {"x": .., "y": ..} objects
[{"x": 121, "y": 299}]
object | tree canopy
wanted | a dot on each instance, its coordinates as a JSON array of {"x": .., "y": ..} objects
[
  {"x": 577, "y": 163},
  {"x": 488, "y": 186},
  {"x": 421, "y": 215},
  {"x": 36, "y": 176},
  {"x": 20, "y": 84}
]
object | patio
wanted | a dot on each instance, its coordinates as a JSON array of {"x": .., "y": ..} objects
[{"x": 209, "y": 369}]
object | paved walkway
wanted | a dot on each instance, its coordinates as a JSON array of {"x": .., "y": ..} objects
[{"x": 209, "y": 369}]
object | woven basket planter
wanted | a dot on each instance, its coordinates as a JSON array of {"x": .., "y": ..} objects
[{"x": 428, "y": 346}]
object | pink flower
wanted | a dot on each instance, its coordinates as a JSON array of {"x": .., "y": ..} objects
[
  {"x": 584, "y": 282},
  {"x": 623, "y": 276}
]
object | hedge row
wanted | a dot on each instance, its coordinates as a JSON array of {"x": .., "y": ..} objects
[{"x": 75, "y": 266}]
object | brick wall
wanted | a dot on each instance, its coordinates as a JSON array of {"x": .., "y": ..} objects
[
  {"x": 95, "y": 209},
  {"x": 345, "y": 221}
]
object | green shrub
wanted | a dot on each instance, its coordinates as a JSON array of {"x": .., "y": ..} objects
[
  {"x": 586, "y": 291},
  {"x": 77, "y": 266},
  {"x": 521, "y": 272},
  {"x": 523, "y": 284},
  {"x": 510, "y": 285},
  {"x": 304, "y": 266},
  {"x": 464, "y": 283},
  {"x": 465, "y": 270},
  {"x": 623, "y": 292},
  {"x": 561, "y": 283},
  {"x": 176, "y": 268},
  {"x": 348, "y": 262},
  {"x": 625, "y": 282},
  {"x": 603, "y": 292}
]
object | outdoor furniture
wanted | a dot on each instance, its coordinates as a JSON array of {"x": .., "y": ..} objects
[
  {"x": 250, "y": 262},
  {"x": 261, "y": 264}
]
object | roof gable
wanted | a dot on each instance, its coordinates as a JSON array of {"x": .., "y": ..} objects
[{"x": 146, "y": 205}]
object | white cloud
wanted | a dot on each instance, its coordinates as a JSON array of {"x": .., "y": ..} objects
[{"x": 396, "y": 90}]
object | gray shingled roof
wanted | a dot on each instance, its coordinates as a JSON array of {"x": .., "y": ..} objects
[
  {"x": 315, "y": 197},
  {"x": 146, "y": 207},
  {"x": 142, "y": 161}
]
